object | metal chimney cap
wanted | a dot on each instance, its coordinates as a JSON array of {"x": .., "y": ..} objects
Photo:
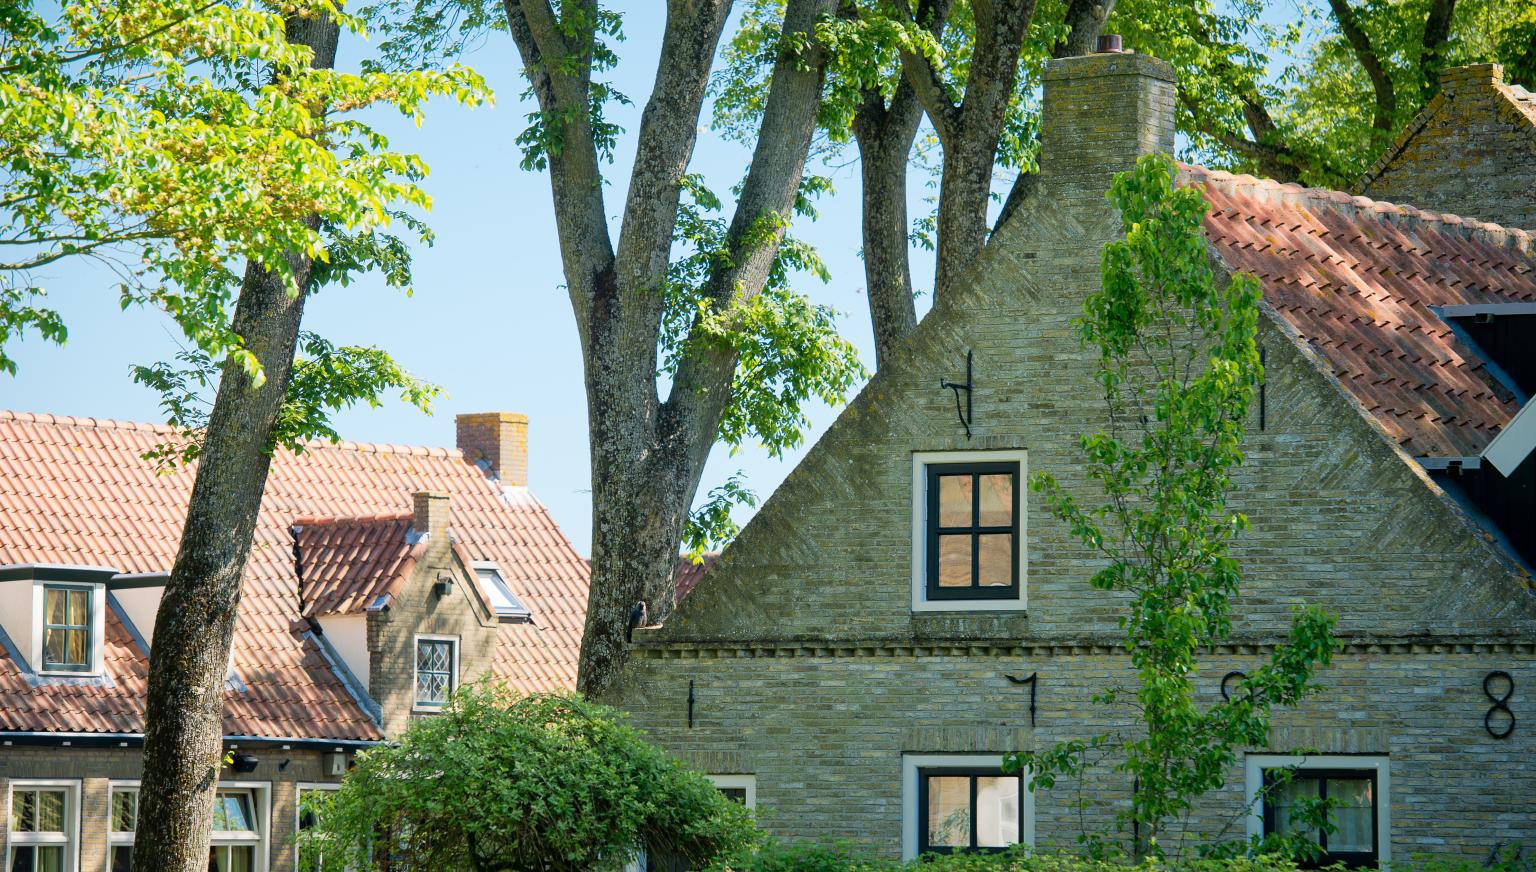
[{"x": 1109, "y": 43}]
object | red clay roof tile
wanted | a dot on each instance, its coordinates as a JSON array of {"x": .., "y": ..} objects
[
  {"x": 1356, "y": 279},
  {"x": 77, "y": 491}
]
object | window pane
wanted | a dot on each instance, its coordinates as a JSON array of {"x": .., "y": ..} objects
[
  {"x": 54, "y": 605},
  {"x": 232, "y": 813},
  {"x": 1285, "y": 798},
  {"x": 79, "y": 608},
  {"x": 122, "y": 858},
  {"x": 124, "y": 810},
  {"x": 996, "y": 501},
  {"x": 76, "y": 650},
  {"x": 1351, "y": 803},
  {"x": 55, "y": 651},
  {"x": 24, "y": 811},
  {"x": 50, "y": 811},
  {"x": 735, "y": 794},
  {"x": 997, "y": 811},
  {"x": 955, "y": 500},
  {"x": 949, "y": 811},
  {"x": 995, "y": 559},
  {"x": 955, "y": 560}
]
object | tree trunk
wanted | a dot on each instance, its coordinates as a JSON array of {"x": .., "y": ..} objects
[
  {"x": 885, "y": 137},
  {"x": 1085, "y": 21},
  {"x": 183, "y": 733}
]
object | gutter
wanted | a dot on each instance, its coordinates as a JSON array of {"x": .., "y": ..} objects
[{"x": 134, "y": 740}]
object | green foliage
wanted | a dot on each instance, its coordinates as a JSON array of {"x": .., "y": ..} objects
[
  {"x": 544, "y": 783},
  {"x": 326, "y": 379},
  {"x": 179, "y": 139},
  {"x": 710, "y": 526},
  {"x": 1178, "y": 364},
  {"x": 778, "y": 857},
  {"x": 788, "y": 349}
]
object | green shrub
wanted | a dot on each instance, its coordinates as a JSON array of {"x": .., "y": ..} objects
[
  {"x": 776, "y": 857},
  {"x": 499, "y": 781}
]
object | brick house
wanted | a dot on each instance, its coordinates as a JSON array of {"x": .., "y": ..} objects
[
  {"x": 901, "y": 612},
  {"x": 380, "y": 577}
]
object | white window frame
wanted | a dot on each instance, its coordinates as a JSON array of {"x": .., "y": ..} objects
[
  {"x": 747, "y": 783},
  {"x": 912, "y": 764},
  {"x": 1379, "y": 763},
  {"x": 98, "y": 627},
  {"x": 70, "y": 839},
  {"x": 920, "y": 462},
  {"x": 116, "y": 838},
  {"x": 261, "y": 806},
  {"x": 453, "y": 675},
  {"x": 300, "y": 789}
]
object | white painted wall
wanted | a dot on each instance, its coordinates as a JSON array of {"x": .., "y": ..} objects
[
  {"x": 16, "y": 614},
  {"x": 348, "y": 634},
  {"x": 141, "y": 604}
]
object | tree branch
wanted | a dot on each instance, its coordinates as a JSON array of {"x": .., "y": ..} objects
[
  {"x": 1360, "y": 42},
  {"x": 919, "y": 71},
  {"x": 1437, "y": 32},
  {"x": 575, "y": 176},
  {"x": 1085, "y": 20}
]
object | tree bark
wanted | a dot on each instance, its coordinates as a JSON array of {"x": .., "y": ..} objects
[
  {"x": 884, "y": 134},
  {"x": 969, "y": 132},
  {"x": 1085, "y": 21},
  {"x": 194, "y": 628},
  {"x": 1437, "y": 33}
]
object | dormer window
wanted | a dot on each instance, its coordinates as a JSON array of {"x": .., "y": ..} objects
[
  {"x": 67, "y": 624},
  {"x": 55, "y": 617}
]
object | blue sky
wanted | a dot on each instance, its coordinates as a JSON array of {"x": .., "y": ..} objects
[{"x": 489, "y": 320}]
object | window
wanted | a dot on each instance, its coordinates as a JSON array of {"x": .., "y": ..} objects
[
  {"x": 67, "y": 628},
  {"x": 968, "y": 531},
  {"x": 123, "y": 814},
  {"x": 963, "y": 802},
  {"x": 1355, "y": 788},
  {"x": 503, "y": 601},
  {"x": 43, "y": 826},
  {"x": 308, "y": 810},
  {"x": 741, "y": 788},
  {"x": 236, "y": 832},
  {"x": 436, "y": 667}
]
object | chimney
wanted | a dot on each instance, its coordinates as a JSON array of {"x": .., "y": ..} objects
[
  {"x": 430, "y": 515},
  {"x": 498, "y": 441},
  {"x": 1470, "y": 79},
  {"x": 1101, "y": 112}
]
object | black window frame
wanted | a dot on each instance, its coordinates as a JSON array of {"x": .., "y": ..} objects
[
  {"x": 973, "y": 772},
  {"x": 88, "y": 628},
  {"x": 1352, "y": 859},
  {"x": 932, "y": 474}
]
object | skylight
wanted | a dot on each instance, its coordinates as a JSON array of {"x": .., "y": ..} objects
[{"x": 504, "y": 602}]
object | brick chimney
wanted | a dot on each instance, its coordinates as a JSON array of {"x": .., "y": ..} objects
[
  {"x": 498, "y": 441},
  {"x": 430, "y": 515},
  {"x": 1474, "y": 78},
  {"x": 1101, "y": 112}
]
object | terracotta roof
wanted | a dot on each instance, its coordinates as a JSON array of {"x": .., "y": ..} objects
[
  {"x": 689, "y": 573},
  {"x": 1356, "y": 280},
  {"x": 347, "y": 564},
  {"x": 76, "y": 491}
]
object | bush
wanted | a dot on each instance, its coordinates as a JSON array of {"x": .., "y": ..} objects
[
  {"x": 775, "y": 857},
  {"x": 500, "y": 781}
]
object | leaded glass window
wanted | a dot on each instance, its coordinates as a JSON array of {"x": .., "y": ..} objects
[{"x": 434, "y": 671}]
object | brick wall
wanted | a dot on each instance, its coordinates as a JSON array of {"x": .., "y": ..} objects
[
  {"x": 281, "y": 771},
  {"x": 420, "y": 610},
  {"x": 812, "y": 672},
  {"x": 1471, "y": 152}
]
